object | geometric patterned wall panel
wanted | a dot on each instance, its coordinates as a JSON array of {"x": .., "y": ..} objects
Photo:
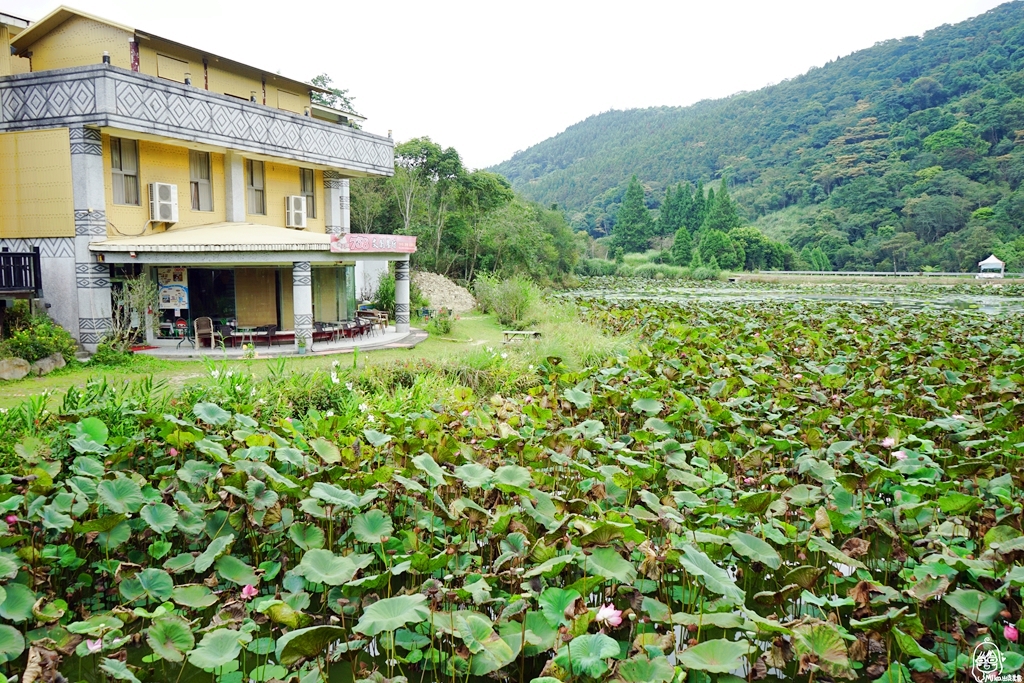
[
  {"x": 49, "y": 247},
  {"x": 108, "y": 96}
]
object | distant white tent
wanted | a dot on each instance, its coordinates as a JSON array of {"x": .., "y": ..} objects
[{"x": 991, "y": 267}]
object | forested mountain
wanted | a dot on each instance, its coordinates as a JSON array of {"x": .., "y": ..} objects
[{"x": 907, "y": 154}]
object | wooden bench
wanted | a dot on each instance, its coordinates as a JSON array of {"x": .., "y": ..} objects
[{"x": 519, "y": 335}]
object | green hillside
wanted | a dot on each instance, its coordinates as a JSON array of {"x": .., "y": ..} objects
[{"x": 909, "y": 151}]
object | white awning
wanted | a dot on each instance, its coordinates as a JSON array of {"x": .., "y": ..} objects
[{"x": 991, "y": 262}]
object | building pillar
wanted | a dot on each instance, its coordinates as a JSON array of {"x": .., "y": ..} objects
[
  {"x": 335, "y": 219},
  {"x": 402, "y": 295},
  {"x": 92, "y": 278},
  {"x": 302, "y": 302},
  {"x": 234, "y": 187},
  {"x": 346, "y": 223}
]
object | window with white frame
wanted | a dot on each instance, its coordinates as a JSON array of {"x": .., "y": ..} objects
[
  {"x": 200, "y": 186},
  {"x": 256, "y": 194},
  {"x": 124, "y": 168}
]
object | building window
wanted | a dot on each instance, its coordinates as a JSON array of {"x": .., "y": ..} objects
[
  {"x": 124, "y": 166},
  {"x": 306, "y": 176},
  {"x": 257, "y": 197},
  {"x": 200, "y": 186}
]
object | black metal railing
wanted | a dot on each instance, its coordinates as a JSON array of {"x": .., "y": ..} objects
[{"x": 20, "y": 272}]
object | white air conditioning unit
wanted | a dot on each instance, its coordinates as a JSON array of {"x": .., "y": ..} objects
[
  {"x": 163, "y": 203},
  {"x": 295, "y": 211}
]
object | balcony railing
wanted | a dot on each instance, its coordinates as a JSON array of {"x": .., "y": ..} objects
[
  {"x": 107, "y": 96},
  {"x": 20, "y": 273}
]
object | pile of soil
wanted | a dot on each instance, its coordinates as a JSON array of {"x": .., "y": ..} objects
[{"x": 443, "y": 293}]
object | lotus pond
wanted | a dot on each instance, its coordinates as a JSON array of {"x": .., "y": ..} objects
[{"x": 797, "y": 490}]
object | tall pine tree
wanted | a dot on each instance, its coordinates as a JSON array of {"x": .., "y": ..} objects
[
  {"x": 695, "y": 217},
  {"x": 682, "y": 247},
  {"x": 722, "y": 214},
  {"x": 633, "y": 226},
  {"x": 668, "y": 213}
]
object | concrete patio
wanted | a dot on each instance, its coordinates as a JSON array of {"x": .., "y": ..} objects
[{"x": 171, "y": 349}]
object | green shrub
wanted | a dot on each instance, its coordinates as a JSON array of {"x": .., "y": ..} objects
[
  {"x": 484, "y": 288},
  {"x": 596, "y": 267},
  {"x": 440, "y": 326},
  {"x": 513, "y": 301},
  {"x": 112, "y": 354},
  {"x": 39, "y": 337},
  {"x": 384, "y": 299}
]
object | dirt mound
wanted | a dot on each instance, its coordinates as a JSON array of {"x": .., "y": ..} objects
[{"x": 443, "y": 293}]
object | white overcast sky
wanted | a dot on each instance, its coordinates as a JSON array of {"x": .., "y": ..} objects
[{"x": 492, "y": 78}]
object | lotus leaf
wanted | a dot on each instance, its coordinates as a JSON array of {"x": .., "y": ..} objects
[
  {"x": 323, "y": 566},
  {"x": 196, "y": 596},
  {"x": 217, "y": 648},
  {"x": 393, "y": 613},
  {"x": 118, "y": 670},
  {"x": 307, "y": 642},
  {"x": 120, "y": 495},
  {"x": 12, "y": 643},
  {"x": 236, "y": 571},
  {"x": 372, "y": 526},
  {"x": 587, "y": 655},
  {"x": 974, "y": 605},
  {"x": 170, "y": 637}
]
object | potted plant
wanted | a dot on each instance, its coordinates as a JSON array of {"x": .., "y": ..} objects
[{"x": 302, "y": 346}]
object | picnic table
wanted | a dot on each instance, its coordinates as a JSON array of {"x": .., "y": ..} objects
[{"x": 519, "y": 335}]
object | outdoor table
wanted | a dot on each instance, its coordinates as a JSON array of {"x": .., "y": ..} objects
[{"x": 518, "y": 335}]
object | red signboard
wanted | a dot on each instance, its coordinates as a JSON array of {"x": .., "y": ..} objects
[{"x": 360, "y": 243}]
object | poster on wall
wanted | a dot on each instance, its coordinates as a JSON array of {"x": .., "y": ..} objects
[{"x": 173, "y": 287}]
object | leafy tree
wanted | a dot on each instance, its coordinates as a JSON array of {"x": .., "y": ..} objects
[
  {"x": 633, "y": 227},
  {"x": 698, "y": 209},
  {"x": 682, "y": 245},
  {"x": 716, "y": 244},
  {"x": 336, "y": 98}
]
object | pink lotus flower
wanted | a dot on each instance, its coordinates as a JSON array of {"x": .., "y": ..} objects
[
  {"x": 609, "y": 615},
  {"x": 12, "y": 519},
  {"x": 1011, "y": 633},
  {"x": 749, "y": 481},
  {"x": 94, "y": 646},
  {"x": 798, "y": 377},
  {"x": 173, "y": 452},
  {"x": 249, "y": 592},
  {"x": 888, "y": 442},
  {"x": 899, "y": 455}
]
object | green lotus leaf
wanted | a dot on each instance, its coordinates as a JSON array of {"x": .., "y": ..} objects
[
  {"x": 306, "y": 536},
  {"x": 375, "y": 438},
  {"x": 393, "y": 613},
  {"x": 216, "y": 549},
  {"x": 258, "y": 495},
  {"x": 196, "y": 596},
  {"x": 650, "y": 406},
  {"x": 96, "y": 625},
  {"x": 512, "y": 478},
  {"x": 823, "y": 642},
  {"x": 306, "y": 643},
  {"x": 587, "y": 655},
  {"x": 608, "y": 563},
  {"x": 373, "y": 526},
  {"x": 974, "y": 605},
  {"x": 120, "y": 495},
  {"x": 553, "y": 605},
  {"x": 8, "y": 566},
  {"x": 327, "y": 451},
  {"x": 428, "y": 465},
  {"x": 714, "y": 577},
  {"x": 323, "y": 566},
  {"x": 160, "y": 517},
  {"x": 754, "y": 549},
  {"x": 118, "y": 670},
  {"x": 211, "y": 414},
  {"x": 474, "y": 475},
  {"x": 91, "y": 429},
  {"x": 268, "y": 672},
  {"x": 715, "y": 656},
  {"x": 236, "y": 571},
  {"x": 12, "y": 643},
  {"x": 912, "y": 648},
  {"x": 170, "y": 637},
  {"x": 153, "y": 585},
  {"x": 489, "y": 652},
  {"x": 642, "y": 669},
  {"x": 333, "y": 495},
  {"x": 579, "y": 398},
  {"x": 17, "y": 605},
  {"x": 55, "y": 520},
  {"x": 217, "y": 648}
]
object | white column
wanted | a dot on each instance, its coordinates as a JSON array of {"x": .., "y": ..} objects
[
  {"x": 92, "y": 278},
  {"x": 234, "y": 187},
  {"x": 402, "y": 295},
  {"x": 346, "y": 224},
  {"x": 302, "y": 302},
  {"x": 332, "y": 202}
]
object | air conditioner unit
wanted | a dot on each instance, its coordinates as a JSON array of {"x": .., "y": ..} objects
[
  {"x": 295, "y": 211},
  {"x": 163, "y": 203}
]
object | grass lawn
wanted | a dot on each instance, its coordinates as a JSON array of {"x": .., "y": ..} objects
[{"x": 472, "y": 331}]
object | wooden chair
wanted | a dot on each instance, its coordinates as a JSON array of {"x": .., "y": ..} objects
[{"x": 204, "y": 329}]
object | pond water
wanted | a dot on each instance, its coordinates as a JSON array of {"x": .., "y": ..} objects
[{"x": 985, "y": 303}]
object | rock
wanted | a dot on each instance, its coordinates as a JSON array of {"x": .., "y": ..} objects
[
  {"x": 443, "y": 293},
  {"x": 14, "y": 368},
  {"x": 45, "y": 366}
]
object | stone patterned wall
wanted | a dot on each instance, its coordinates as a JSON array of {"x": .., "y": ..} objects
[{"x": 102, "y": 95}]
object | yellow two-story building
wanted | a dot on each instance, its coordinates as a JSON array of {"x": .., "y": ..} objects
[{"x": 123, "y": 154}]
